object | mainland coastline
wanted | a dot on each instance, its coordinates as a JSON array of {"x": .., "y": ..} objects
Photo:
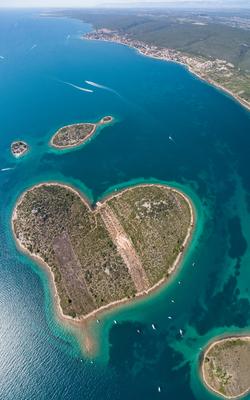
[
  {"x": 195, "y": 67},
  {"x": 81, "y": 321}
]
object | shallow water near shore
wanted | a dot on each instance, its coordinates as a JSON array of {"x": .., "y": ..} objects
[{"x": 208, "y": 160}]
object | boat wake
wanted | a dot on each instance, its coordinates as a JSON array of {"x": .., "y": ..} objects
[
  {"x": 77, "y": 87},
  {"x": 33, "y": 47},
  {"x": 99, "y": 86},
  {"x": 171, "y": 139},
  {"x": 5, "y": 169}
]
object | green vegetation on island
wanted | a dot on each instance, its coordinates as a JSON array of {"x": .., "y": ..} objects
[
  {"x": 226, "y": 365},
  {"x": 76, "y": 134},
  {"x": 19, "y": 148},
  {"x": 108, "y": 254},
  {"x": 154, "y": 226}
]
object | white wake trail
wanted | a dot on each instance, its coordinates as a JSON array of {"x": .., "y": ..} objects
[
  {"x": 5, "y": 169},
  {"x": 77, "y": 87},
  {"x": 171, "y": 139},
  {"x": 99, "y": 86}
]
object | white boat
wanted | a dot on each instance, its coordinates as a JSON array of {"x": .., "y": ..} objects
[
  {"x": 170, "y": 138},
  {"x": 169, "y": 317},
  {"x": 159, "y": 389},
  {"x": 153, "y": 327}
]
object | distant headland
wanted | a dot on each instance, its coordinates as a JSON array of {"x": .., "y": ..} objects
[
  {"x": 225, "y": 366},
  {"x": 102, "y": 256},
  {"x": 76, "y": 134},
  {"x": 19, "y": 148}
]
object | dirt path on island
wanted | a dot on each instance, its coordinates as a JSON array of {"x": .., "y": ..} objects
[
  {"x": 72, "y": 275},
  {"x": 125, "y": 248}
]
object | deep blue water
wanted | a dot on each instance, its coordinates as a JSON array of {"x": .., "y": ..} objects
[{"x": 209, "y": 160}]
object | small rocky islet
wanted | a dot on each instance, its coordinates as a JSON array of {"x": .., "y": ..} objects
[{"x": 19, "y": 148}]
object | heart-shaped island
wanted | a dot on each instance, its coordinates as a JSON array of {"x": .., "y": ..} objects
[{"x": 125, "y": 246}]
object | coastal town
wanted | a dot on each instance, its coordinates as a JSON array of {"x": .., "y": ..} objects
[{"x": 218, "y": 72}]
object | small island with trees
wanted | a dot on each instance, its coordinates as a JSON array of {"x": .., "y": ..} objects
[
  {"x": 76, "y": 134},
  {"x": 226, "y": 365},
  {"x": 19, "y": 148},
  {"x": 100, "y": 256}
]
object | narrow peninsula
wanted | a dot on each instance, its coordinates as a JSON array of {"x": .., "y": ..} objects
[
  {"x": 77, "y": 134},
  {"x": 19, "y": 148},
  {"x": 124, "y": 247},
  {"x": 226, "y": 365}
]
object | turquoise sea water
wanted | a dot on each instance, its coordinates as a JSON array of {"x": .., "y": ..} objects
[{"x": 209, "y": 160}]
